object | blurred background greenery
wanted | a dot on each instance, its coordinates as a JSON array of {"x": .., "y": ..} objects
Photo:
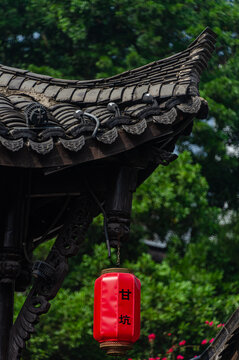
[{"x": 191, "y": 205}]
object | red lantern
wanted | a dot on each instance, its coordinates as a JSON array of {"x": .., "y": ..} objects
[{"x": 117, "y": 310}]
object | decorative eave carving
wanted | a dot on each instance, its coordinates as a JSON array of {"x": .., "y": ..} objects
[{"x": 50, "y": 274}]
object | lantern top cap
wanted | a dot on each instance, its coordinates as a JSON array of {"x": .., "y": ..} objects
[{"x": 115, "y": 270}]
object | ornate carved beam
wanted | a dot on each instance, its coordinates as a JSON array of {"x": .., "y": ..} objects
[{"x": 51, "y": 273}]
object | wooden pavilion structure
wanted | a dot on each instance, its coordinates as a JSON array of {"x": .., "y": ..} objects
[
  {"x": 71, "y": 149},
  {"x": 226, "y": 344}
]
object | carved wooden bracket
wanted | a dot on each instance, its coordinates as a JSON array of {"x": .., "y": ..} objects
[
  {"x": 119, "y": 204},
  {"x": 55, "y": 267}
]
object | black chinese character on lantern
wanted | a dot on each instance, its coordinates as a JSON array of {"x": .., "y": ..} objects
[
  {"x": 124, "y": 320},
  {"x": 125, "y": 294}
]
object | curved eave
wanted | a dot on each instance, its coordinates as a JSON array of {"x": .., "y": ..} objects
[
  {"x": 92, "y": 120},
  {"x": 93, "y": 151},
  {"x": 179, "y": 69}
]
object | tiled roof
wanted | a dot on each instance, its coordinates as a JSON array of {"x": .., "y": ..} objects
[
  {"x": 100, "y": 117},
  {"x": 225, "y": 346}
]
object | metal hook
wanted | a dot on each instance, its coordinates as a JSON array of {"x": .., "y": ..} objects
[
  {"x": 113, "y": 107},
  {"x": 149, "y": 99},
  {"x": 79, "y": 114},
  {"x": 96, "y": 121}
]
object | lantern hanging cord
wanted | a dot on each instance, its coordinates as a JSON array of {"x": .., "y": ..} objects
[
  {"x": 54, "y": 222},
  {"x": 27, "y": 258},
  {"x": 118, "y": 254},
  {"x": 105, "y": 218}
]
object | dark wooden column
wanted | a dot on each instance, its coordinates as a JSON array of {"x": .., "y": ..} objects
[
  {"x": 9, "y": 269},
  {"x": 119, "y": 204},
  {"x": 12, "y": 223},
  {"x": 6, "y": 316}
]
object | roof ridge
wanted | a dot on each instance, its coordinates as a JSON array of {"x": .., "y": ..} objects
[
  {"x": 226, "y": 341},
  {"x": 207, "y": 38},
  {"x": 206, "y": 32}
]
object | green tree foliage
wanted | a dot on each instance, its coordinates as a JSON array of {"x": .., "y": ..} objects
[{"x": 174, "y": 201}]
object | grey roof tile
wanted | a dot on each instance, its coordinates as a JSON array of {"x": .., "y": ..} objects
[
  {"x": 79, "y": 95},
  {"x": 15, "y": 83},
  {"x": 17, "y": 98},
  {"x": 27, "y": 85},
  {"x": 116, "y": 94},
  {"x": 154, "y": 90},
  {"x": 13, "y": 70},
  {"x": 39, "y": 88},
  {"x": 105, "y": 95},
  {"x": 92, "y": 96},
  {"x": 52, "y": 90},
  {"x": 167, "y": 90},
  {"x": 5, "y": 79},
  {"x": 65, "y": 94},
  {"x": 62, "y": 82},
  {"x": 180, "y": 90},
  {"x": 38, "y": 76},
  {"x": 128, "y": 93},
  {"x": 140, "y": 91}
]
